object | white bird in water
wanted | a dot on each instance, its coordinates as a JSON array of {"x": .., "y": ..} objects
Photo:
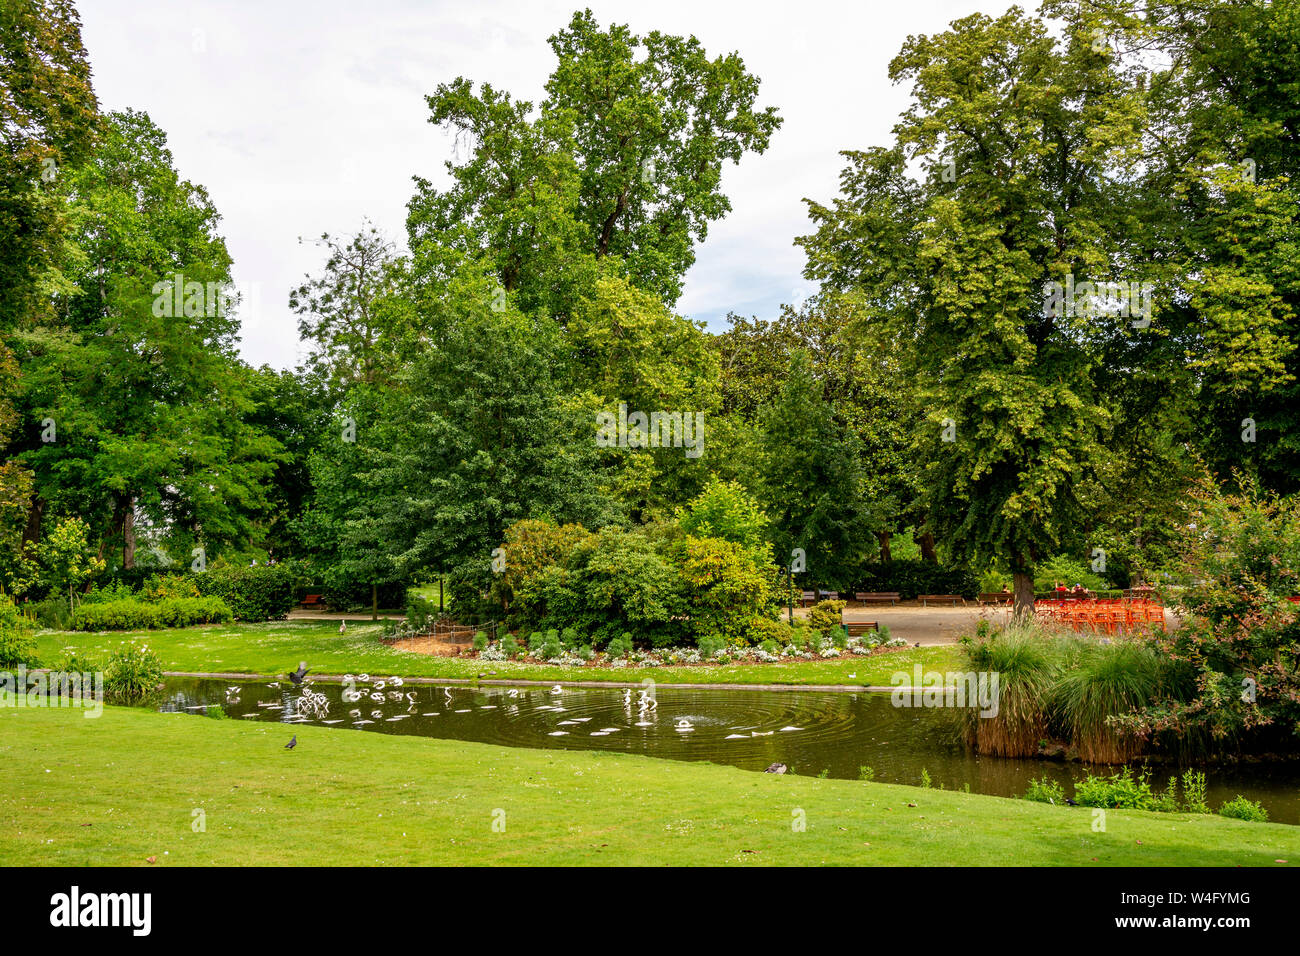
[
  {"x": 514, "y": 692},
  {"x": 684, "y": 726},
  {"x": 397, "y": 682},
  {"x": 364, "y": 678},
  {"x": 557, "y": 689}
]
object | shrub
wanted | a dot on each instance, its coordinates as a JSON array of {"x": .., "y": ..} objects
[
  {"x": 662, "y": 584},
  {"x": 164, "y": 587},
  {"x": 132, "y": 674},
  {"x": 1122, "y": 790},
  {"x": 710, "y": 644},
  {"x": 1240, "y": 554},
  {"x": 109, "y": 591},
  {"x": 17, "y": 645},
  {"x": 1242, "y": 809},
  {"x": 620, "y": 646},
  {"x": 133, "y": 615},
  {"x": 1194, "y": 792},
  {"x": 480, "y": 642},
  {"x": 1045, "y": 790},
  {"x": 52, "y": 613},
  {"x": 419, "y": 611},
  {"x": 263, "y": 592},
  {"x": 825, "y": 615},
  {"x": 766, "y": 629},
  {"x": 550, "y": 647},
  {"x": 509, "y": 646}
]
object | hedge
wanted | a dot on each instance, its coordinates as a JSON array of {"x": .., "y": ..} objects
[
  {"x": 132, "y": 615},
  {"x": 261, "y": 592},
  {"x": 910, "y": 578}
]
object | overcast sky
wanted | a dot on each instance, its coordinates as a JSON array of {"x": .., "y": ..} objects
[{"x": 305, "y": 116}]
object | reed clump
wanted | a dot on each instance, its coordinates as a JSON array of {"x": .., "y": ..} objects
[{"x": 1056, "y": 684}]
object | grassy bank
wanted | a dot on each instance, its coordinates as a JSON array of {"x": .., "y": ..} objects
[
  {"x": 267, "y": 649},
  {"x": 130, "y": 785}
]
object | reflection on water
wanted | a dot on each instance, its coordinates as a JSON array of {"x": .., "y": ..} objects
[{"x": 812, "y": 732}]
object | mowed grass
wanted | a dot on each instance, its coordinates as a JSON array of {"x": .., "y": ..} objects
[
  {"x": 275, "y": 648},
  {"x": 133, "y": 784}
]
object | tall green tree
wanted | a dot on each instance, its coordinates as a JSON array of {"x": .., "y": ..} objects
[
  {"x": 618, "y": 169},
  {"x": 813, "y": 481},
  {"x": 138, "y": 378},
  {"x": 1026, "y": 139},
  {"x": 48, "y": 119},
  {"x": 474, "y": 437},
  {"x": 356, "y": 313}
]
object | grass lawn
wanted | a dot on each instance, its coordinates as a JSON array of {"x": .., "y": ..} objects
[
  {"x": 275, "y": 648},
  {"x": 129, "y": 785}
]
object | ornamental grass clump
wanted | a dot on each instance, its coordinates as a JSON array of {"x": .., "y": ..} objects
[
  {"x": 1028, "y": 662},
  {"x": 1101, "y": 683}
]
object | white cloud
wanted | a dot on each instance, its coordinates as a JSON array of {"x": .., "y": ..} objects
[{"x": 303, "y": 116}]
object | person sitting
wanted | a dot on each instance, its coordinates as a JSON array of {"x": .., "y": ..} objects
[{"x": 1058, "y": 587}]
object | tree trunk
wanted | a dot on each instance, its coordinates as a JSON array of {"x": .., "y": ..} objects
[
  {"x": 1024, "y": 588},
  {"x": 128, "y": 534},
  {"x": 374, "y": 602},
  {"x": 926, "y": 541},
  {"x": 32, "y": 533},
  {"x": 883, "y": 538}
]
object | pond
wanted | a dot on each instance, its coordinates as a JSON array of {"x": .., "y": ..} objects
[{"x": 812, "y": 732}]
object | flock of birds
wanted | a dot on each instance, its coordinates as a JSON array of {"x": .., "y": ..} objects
[{"x": 314, "y": 705}]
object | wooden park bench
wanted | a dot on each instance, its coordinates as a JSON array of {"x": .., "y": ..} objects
[
  {"x": 997, "y": 597},
  {"x": 312, "y": 601},
  {"x": 858, "y": 628},
  {"x": 938, "y": 598},
  {"x": 876, "y": 597},
  {"x": 830, "y": 595},
  {"x": 806, "y": 598}
]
